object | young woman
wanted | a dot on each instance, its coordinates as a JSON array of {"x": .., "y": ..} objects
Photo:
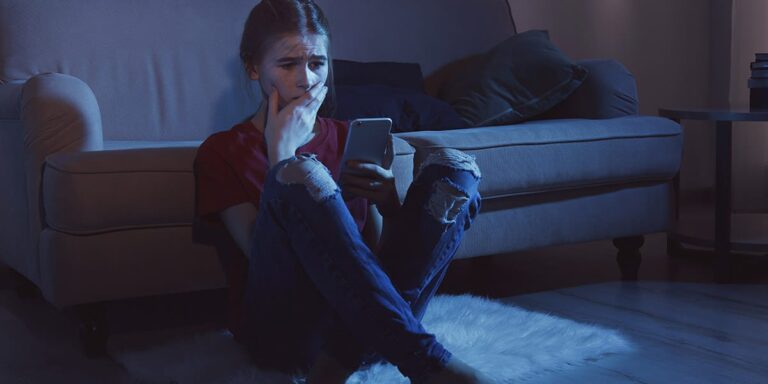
[{"x": 331, "y": 285}]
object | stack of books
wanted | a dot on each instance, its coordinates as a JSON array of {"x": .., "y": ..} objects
[{"x": 758, "y": 83}]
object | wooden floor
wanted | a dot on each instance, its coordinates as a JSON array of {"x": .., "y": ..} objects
[
  {"x": 681, "y": 332},
  {"x": 685, "y": 328}
]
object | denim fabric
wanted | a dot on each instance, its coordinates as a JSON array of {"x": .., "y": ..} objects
[{"x": 313, "y": 283}]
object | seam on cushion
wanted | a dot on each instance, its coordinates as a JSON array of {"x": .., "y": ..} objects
[
  {"x": 67, "y": 171},
  {"x": 508, "y": 111},
  {"x": 550, "y": 99},
  {"x": 415, "y": 144},
  {"x": 60, "y": 169},
  {"x": 574, "y": 187},
  {"x": 565, "y": 87},
  {"x": 100, "y": 231}
]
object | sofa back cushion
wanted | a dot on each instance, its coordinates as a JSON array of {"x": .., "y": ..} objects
[{"x": 169, "y": 70}]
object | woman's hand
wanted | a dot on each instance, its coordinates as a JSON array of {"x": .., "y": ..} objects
[
  {"x": 292, "y": 126},
  {"x": 373, "y": 182}
]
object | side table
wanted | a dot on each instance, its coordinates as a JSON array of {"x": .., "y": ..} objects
[{"x": 733, "y": 232}]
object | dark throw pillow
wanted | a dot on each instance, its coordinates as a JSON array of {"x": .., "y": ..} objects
[
  {"x": 409, "y": 110},
  {"x": 393, "y": 74},
  {"x": 608, "y": 92},
  {"x": 521, "y": 77}
]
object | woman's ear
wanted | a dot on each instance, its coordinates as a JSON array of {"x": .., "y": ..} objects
[{"x": 253, "y": 72}]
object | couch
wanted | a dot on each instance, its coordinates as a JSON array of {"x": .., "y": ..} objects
[{"x": 104, "y": 103}]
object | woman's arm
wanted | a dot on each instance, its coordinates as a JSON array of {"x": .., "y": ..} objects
[{"x": 239, "y": 221}]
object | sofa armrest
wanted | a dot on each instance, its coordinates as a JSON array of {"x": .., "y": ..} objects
[
  {"x": 58, "y": 113},
  {"x": 608, "y": 91}
]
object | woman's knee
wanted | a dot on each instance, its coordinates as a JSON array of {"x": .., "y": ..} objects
[
  {"x": 453, "y": 159},
  {"x": 306, "y": 170},
  {"x": 446, "y": 201},
  {"x": 451, "y": 192}
]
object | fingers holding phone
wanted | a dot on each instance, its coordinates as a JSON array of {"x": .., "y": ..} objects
[
  {"x": 372, "y": 182},
  {"x": 367, "y": 160}
]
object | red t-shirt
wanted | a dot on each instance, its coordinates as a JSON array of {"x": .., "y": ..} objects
[{"x": 231, "y": 167}]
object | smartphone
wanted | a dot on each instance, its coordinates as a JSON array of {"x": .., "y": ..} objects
[{"x": 367, "y": 140}]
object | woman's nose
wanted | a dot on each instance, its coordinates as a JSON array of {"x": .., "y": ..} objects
[{"x": 305, "y": 78}]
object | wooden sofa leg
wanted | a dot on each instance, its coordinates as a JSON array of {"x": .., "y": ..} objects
[
  {"x": 93, "y": 329},
  {"x": 628, "y": 256}
]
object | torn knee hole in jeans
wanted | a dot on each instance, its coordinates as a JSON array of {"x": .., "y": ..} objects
[
  {"x": 446, "y": 202},
  {"x": 307, "y": 170},
  {"x": 453, "y": 158}
]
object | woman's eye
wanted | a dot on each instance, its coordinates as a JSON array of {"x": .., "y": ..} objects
[{"x": 314, "y": 65}]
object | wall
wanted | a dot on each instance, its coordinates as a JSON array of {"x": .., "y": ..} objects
[
  {"x": 750, "y": 140},
  {"x": 670, "y": 62}
]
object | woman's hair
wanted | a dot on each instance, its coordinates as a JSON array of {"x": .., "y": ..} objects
[{"x": 271, "y": 20}]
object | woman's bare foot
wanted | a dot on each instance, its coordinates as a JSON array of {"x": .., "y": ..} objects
[
  {"x": 458, "y": 372},
  {"x": 326, "y": 370}
]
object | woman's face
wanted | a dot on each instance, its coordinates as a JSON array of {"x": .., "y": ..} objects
[{"x": 293, "y": 64}]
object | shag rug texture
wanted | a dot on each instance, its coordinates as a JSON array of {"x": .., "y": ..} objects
[{"x": 506, "y": 342}]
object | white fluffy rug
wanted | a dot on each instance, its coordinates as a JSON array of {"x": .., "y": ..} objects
[{"x": 506, "y": 342}]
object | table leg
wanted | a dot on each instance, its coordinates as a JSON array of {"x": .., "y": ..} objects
[
  {"x": 723, "y": 264},
  {"x": 673, "y": 244}
]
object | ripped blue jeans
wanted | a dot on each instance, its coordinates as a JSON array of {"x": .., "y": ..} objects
[{"x": 314, "y": 285}]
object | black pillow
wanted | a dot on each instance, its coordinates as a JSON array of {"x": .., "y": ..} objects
[
  {"x": 609, "y": 91},
  {"x": 521, "y": 77},
  {"x": 409, "y": 110},
  {"x": 392, "y": 74}
]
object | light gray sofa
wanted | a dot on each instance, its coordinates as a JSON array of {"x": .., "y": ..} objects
[{"x": 103, "y": 104}]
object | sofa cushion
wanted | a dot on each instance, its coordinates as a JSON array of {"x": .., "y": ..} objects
[
  {"x": 520, "y": 78},
  {"x": 543, "y": 156},
  {"x": 91, "y": 192},
  {"x": 136, "y": 185}
]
